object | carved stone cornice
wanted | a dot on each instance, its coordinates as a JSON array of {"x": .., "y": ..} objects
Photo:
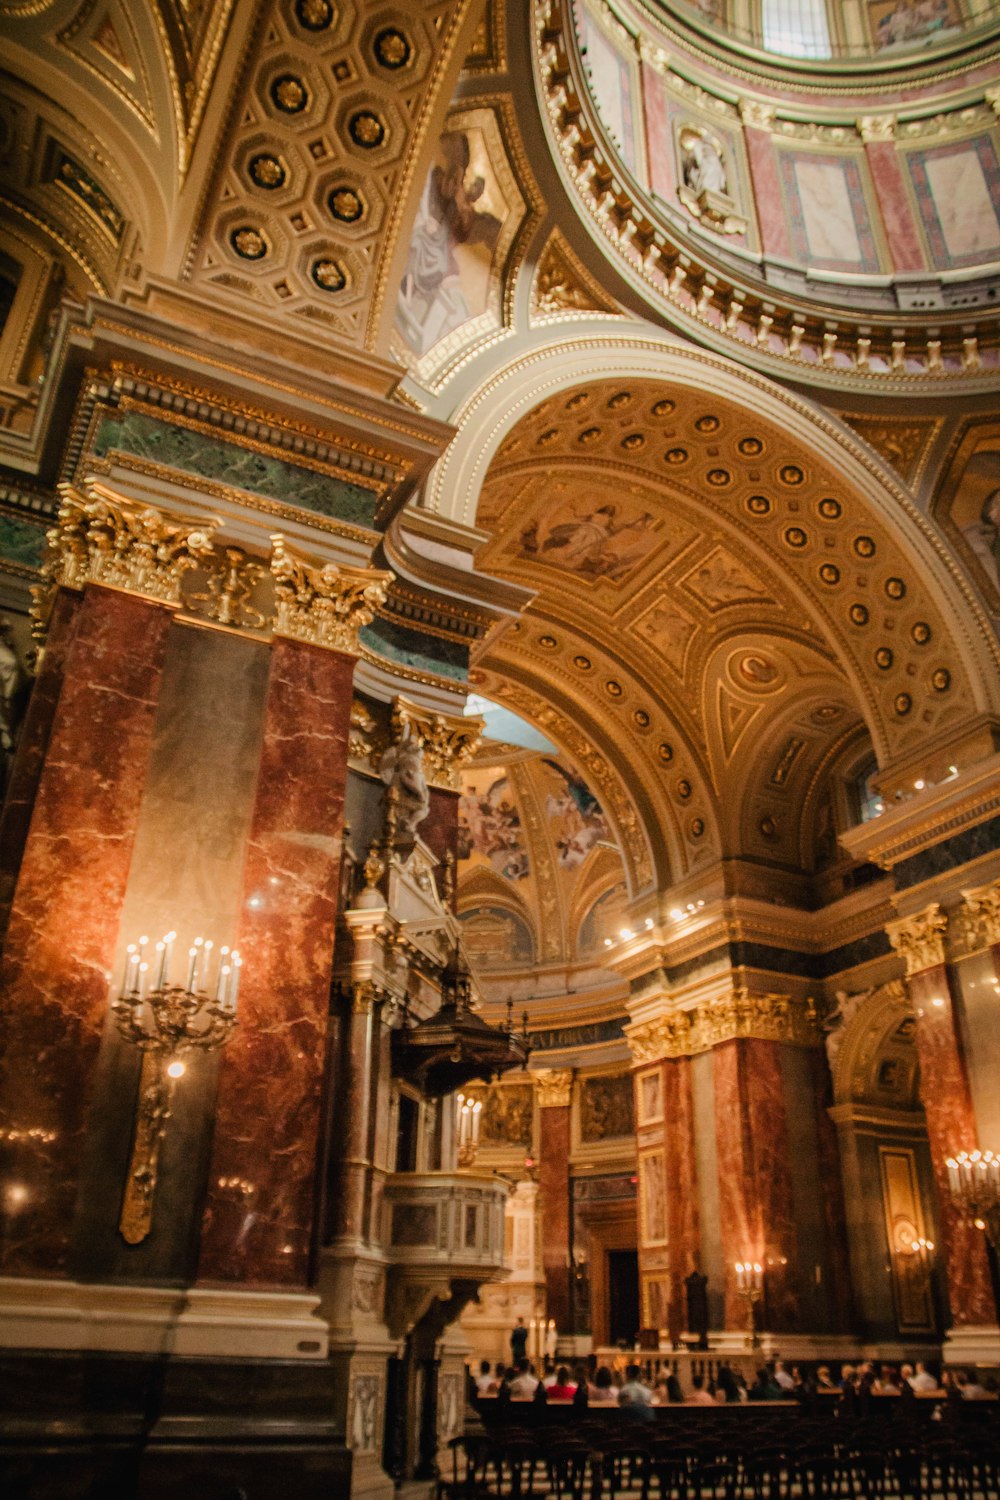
[
  {"x": 100, "y": 537},
  {"x": 323, "y": 605},
  {"x": 756, "y": 114},
  {"x": 449, "y": 741},
  {"x": 919, "y": 939},
  {"x": 553, "y": 1087},
  {"x": 683, "y": 1033},
  {"x": 979, "y": 916}
]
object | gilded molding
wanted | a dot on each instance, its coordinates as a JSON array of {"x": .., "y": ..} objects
[
  {"x": 449, "y": 741},
  {"x": 324, "y": 606},
  {"x": 553, "y": 1087},
  {"x": 979, "y": 915},
  {"x": 100, "y": 537},
  {"x": 740, "y": 1014},
  {"x": 919, "y": 940},
  {"x": 877, "y": 128}
]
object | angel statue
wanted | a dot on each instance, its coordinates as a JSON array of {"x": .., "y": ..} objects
[{"x": 402, "y": 770}]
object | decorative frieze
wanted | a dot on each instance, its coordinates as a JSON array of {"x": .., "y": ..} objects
[
  {"x": 919, "y": 939},
  {"x": 682, "y": 1033},
  {"x": 554, "y": 1087}
]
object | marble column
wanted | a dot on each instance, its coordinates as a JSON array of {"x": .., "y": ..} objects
[
  {"x": 67, "y": 904},
  {"x": 273, "y": 1068},
  {"x": 554, "y": 1093},
  {"x": 680, "y": 1166},
  {"x": 755, "y": 1187},
  {"x": 878, "y": 133},
  {"x": 33, "y": 745},
  {"x": 977, "y": 974},
  {"x": 944, "y": 1091},
  {"x": 354, "y": 1113},
  {"x": 757, "y": 122}
]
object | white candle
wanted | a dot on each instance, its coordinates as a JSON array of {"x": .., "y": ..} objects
[
  {"x": 220, "y": 983},
  {"x": 129, "y": 954},
  {"x": 161, "y": 977},
  {"x": 192, "y": 957}
]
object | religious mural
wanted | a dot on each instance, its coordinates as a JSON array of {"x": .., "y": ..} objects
[
  {"x": 495, "y": 938},
  {"x": 489, "y": 825},
  {"x": 575, "y": 816},
  {"x": 606, "y": 1108},
  {"x": 469, "y": 212},
  {"x": 602, "y": 540},
  {"x": 972, "y": 514},
  {"x": 507, "y": 1114},
  {"x": 906, "y": 23}
]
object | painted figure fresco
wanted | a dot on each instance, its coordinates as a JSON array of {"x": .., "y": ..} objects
[
  {"x": 577, "y": 814},
  {"x": 489, "y": 824},
  {"x": 451, "y": 246},
  {"x": 600, "y": 541},
  {"x": 901, "y": 23}
]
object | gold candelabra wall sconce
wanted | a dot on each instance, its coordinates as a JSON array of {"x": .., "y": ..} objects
[
  {"x": 750, "y": 1286},
  {"x": 164, "y": 1020},
  {"x": 974, "y": 1184},
  {"x": 468, "y": 1112}
]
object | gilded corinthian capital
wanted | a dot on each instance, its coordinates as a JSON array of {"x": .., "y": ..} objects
[
  {"x": 554, "y": 1086},
  {"x": 326, "y": 606},
  {"x": 100, "y": 537},
  {"x": 919, "y": 940},
  {"x": 981, "y": 916}
]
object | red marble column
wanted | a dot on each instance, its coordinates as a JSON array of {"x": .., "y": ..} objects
[
  {"x": 67, "y": 904},
  {"x": 553, "y": 1184},
  {"x": 32, "y": 746},
  {"x": 272, "y": 1069},
  {"x": 681, "y": 1184},
  {"x": 894, "y": 205},
  {"x": 767, "y": 190},
  {"x": 439, "y": 830},
  {"x": 951, "y": 1127},
  {"x": 755, "y": 1188}
]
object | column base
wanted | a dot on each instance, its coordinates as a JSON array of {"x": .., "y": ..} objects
[
  {"x": 973, "y": 1345},
  {"x": 195, "y": 1322}
]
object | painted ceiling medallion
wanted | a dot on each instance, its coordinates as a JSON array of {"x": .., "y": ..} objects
[
  {"x": 345, "y": 204},
  {"x": 613, "y": 689},
  {"x": 941, "y": 680},
  {"x": 619, "y": 399},
  {"x": 718, "y": 477},
  {"x": 684, "y": 789},
  {"x": 580, "y": 399},
  {"x": 633, "y": 442},
  {"x": 830, "y": 509},
  {"x": 267, "y": 171},
  {"x": 676, "y": 455},
  {"x": 759, "y": 505},
  {"x": 791, "y": 474},
  {"x": 589, "y": 435},
  {"x": 329, "y": 275},
  {"x": 902, "y": 703},
  {"x": 248, "y": 242},
  {"x": 663, "y": 408},
  {"x": 392, "y": 48},
  {"x": 921, "y": 632},
  {"x": 366, "y": 129},
  {"x": 666, "y": 752},
  {"x": 641, "y": 718},
  {"x": 859, "y": 614},
  {"x": 864, "y": 546},
  {"x": 883, "y": 658},
  {"x": 829, "y": 573},
  {"x": 750, "y": 447},
  {"x": 583, "y": 662},
  {"x": 895, "y": 588},
  {"x": 796, "y": 537},
  {"x": 708, "y": 424},
  {"x": 289, "y": 94},
  {"x": 314, "y": 15}
]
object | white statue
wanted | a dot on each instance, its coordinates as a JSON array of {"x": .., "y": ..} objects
[
  {"x": 704, "y": 170},
  {"x": 402, "y": 768},
  {"x": 13, "y": 692}
]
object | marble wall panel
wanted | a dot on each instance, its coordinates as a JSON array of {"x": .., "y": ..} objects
[
  {"x": 713, "y": 1263},
  {"x": 64, "y": 920},
  {"x": 828, "y": 218},
  {"x": 767, "y": 191},
  {"x": 979, "y": 983},
  {"x": 273, "y": 1069},
  {"x": 894, "y": 205},
  {"x": 186, "y": 874},
  {"x": 681, "y": 1181},
  {"x": 957, "y": 190}
]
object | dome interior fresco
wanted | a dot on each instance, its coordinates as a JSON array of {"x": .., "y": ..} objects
[
  {"x": 820, "y": 30},
  {"x": 540, "y": 876}
]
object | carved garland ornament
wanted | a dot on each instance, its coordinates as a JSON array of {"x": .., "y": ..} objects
[
  {"x": 769, "y": 1018},
  {"x": 919, "y": 940}
]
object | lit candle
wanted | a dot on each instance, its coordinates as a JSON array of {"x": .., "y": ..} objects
[
  {"x": 220, "y": 983},
  {"x": 198, "y": 942},
  {"x": 143, "y": 971},
  {"x": 740, "y": 1275},
  {"x": 209, "y": 945},
  {"x": 192, "y": 956},
  {"x": 130, "y": 959},
  {"x": 161, "y": 977}
]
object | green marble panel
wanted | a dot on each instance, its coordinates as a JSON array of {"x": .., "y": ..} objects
[
  {"x": 21, "y": 541},
  {"x": 411, "y": 648},
  {"x": 228, "y": 463}
]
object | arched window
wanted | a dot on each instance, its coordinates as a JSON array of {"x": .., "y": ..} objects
[{"x": 796, "y": 28}]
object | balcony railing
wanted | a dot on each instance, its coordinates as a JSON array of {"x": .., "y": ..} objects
[{"x": 454, "y": 1220}]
